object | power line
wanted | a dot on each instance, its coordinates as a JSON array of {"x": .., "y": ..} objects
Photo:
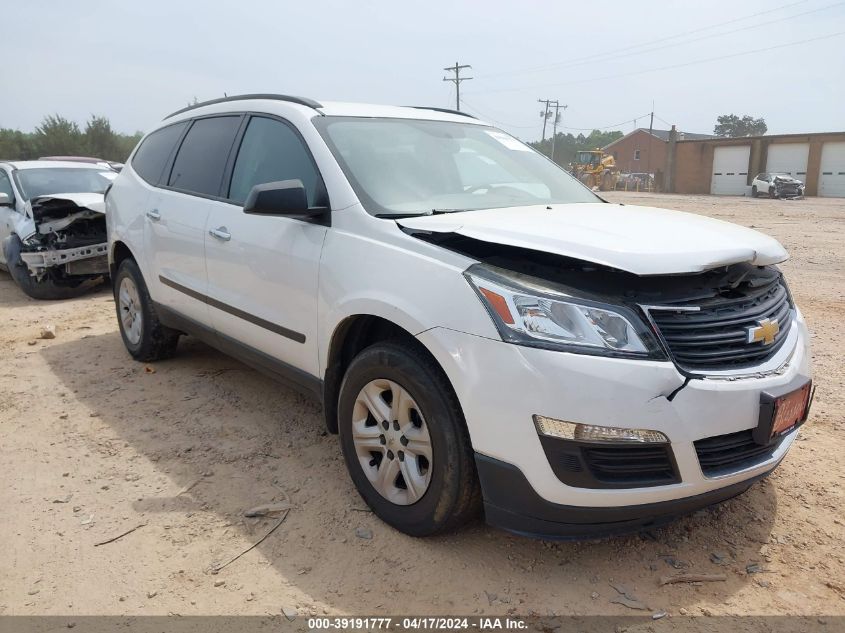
[
  {"x": 562, "y": 127},
  {"x": 673, "y": 66},
  {"x": 657, "y": 41},
  {"x": 497, "y": 122},
  {"x": 457, "y": 79},
  {"x": 611, "y": 57},
  {"x": 606, "y": 127},
  {"x": 663, "y": 120}
]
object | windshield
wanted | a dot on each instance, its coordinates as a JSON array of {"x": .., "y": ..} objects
[
  {"x": 53, "y": 180},
  {"x": 403, "y": 166}
]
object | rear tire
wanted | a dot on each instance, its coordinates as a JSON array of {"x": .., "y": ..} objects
[
  {"x": 45, "y": 288},
  {"x": 754, "y": 192},
  {"x": 426, "y": 441},
  {"x": 144, "y": 336}
]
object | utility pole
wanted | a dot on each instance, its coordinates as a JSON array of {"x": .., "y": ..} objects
[
  {"x": 550, "y": 103},
  {"x": 650, "y": 137},
  {"x": 457, "y": 79},
  {"x": 554, "y": 126},
  {"x": 545, "y": 115}
]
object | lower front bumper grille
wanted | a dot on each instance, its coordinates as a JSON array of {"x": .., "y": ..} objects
[
  {"x": 593, "y": 465},
  {"x": 729, "y": 453}
]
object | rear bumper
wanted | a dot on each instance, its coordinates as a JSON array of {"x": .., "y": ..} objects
[{"x": 510, "y": 503}]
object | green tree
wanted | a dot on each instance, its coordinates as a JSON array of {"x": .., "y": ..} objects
[
  {"x": 16, "y": 145},
  {"x": 126, "y": 143},
  {"x": 56, "y": 136},
  {"x": 733, "y": 126},
  {"x": 100, "y": 140}
]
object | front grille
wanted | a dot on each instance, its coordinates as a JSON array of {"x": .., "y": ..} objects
[
  {"x": 724, "y": 454},
  {"x": 716, "y": 335},
  {"x": 787, "y": 187}
]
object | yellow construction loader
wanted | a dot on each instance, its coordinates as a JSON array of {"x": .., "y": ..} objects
[{"x": 595, "y": 169}]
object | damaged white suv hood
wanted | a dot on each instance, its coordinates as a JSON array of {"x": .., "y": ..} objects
[
  {"x": 639, "y": 240},
  {"x": 88, "y": 204}
]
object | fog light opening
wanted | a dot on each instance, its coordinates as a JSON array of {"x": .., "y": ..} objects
[{"x": 550, "y": 427}]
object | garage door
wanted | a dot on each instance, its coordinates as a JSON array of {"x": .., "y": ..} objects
[
  {"x": 730, "y": 170},
  {"x": 832, "y": 173},
  {"x": 788, "y": 158}
]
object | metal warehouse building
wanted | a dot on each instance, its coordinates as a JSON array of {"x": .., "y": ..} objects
[{"x": 727, "y": 165}]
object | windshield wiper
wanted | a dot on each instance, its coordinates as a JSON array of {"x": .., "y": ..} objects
[{"x": 400, "y": 216}]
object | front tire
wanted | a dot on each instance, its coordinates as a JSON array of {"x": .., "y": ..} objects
[
  {"x": 405, "y": 441},
  {"x": 144, "y": 336}
]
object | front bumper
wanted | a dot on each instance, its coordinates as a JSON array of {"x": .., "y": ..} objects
[
  {"x": 95, "y": 257},
  {"x": 510, "y": 503},
  {"x": 500, "y": 386}
]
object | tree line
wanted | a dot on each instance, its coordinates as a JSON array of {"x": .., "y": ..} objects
[{"x": 58, "y": 136}]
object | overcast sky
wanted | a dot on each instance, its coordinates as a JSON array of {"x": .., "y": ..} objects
[{"x": 136, "y": 61}]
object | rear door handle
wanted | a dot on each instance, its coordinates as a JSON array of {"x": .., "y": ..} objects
[
  {"x": 221, "y": 233},
  {"x": 154, "y": 215}
]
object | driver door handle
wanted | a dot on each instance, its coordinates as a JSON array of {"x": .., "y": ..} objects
[
  {"x": 154, "y": 215},
  {"x": 221, "y": 233}
]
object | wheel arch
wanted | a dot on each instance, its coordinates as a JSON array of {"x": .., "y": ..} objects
[
  {"x": 351, "y": 336},
  {"x": 118, "y": 252}
]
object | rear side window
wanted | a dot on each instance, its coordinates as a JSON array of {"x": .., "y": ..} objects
[
  {"x": 151, "y": 157},
  {"x": 272, "y": 151},
  {"x": 199, "y": 165}
]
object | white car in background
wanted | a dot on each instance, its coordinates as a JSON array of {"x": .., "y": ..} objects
[
  {"x": 481, "y": 328},
  {"x": 52, "y": 225},
  {"x": 777, "y": 186}
]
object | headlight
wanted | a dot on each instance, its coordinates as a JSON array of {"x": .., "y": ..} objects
[{"x": 538, "y": 316}]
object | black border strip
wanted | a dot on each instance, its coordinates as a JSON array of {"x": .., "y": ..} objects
[{"x": 225, "y": 307}]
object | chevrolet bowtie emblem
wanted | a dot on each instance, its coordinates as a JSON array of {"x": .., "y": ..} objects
[{"x": 764, "y": 332}]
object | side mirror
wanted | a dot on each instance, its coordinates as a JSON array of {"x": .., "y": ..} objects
[
  {"x": 5, "y": 200},
  {"x": 283, "y": 197}
]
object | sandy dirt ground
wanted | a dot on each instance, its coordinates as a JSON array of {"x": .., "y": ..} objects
[{"x": 93, "y": 444}]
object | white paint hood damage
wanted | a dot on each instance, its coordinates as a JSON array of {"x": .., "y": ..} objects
[
  {"x": 639, "y": 240},
  {"x": 93, "y": 201},
  {"x": 47, "y": 214}
]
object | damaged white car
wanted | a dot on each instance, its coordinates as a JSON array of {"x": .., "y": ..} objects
[{"x": 52, "y": 226}]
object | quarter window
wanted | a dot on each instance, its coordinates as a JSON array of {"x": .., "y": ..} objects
[
  {"x": 201, "y": 159},
  {"x": 272, "y": 151},
  {"x": 151, "y": 157}
]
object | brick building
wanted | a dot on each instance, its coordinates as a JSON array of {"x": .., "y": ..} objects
[
  {"x": 727, "y": 165},
  {"x": 643, "y": 152}
]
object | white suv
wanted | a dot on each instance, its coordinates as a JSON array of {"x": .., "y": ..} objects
[{"x": 480, "y": 327}]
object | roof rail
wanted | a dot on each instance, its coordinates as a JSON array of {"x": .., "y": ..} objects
[
  {"x": 291, "y": 99},
  {"x": 444, "y": 110}
]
